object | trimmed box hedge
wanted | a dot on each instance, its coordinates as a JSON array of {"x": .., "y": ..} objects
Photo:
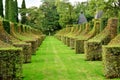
[
  {"x": 80, "y": 31},
  {"x": 68, "y": 29},
  {"x": 28, "y": 39},
  {"x": 93, "y": 47},
  {"x": 11, "y": 60},
  {"x": 27, "y": 53},
  {"x": 111, "y": 60},
  {"x": 76, "y": 29},
  {"x": 75, "y": 34},
  {"x": 79, "y": 43},
  {"x": 67, "y": 34},
  {"x": 6, "y": 37},
  {"x": 73, "y": 29}
]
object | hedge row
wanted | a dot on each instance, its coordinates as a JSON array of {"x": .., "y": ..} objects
[
  {"x": 17, "y": 44},
  {"x": 84, "y": 37},
  {"x": 111, "y": 58},
  {"x": 96, "y": 45},
  {"x": 93, "y": 47}
]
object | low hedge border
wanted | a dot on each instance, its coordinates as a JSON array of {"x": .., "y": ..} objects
[
  {"x": 11, "y": 60},
  {"x": 103, "y": 38}
]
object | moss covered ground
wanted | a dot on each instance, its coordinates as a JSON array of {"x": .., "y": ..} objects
[{"x": 55, "y": 61}]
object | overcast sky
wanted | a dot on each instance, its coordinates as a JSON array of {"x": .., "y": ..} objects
[{"x": 30, "y": 3}]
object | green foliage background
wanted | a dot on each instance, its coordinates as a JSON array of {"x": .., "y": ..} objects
[{"x": 53, "y": 15}]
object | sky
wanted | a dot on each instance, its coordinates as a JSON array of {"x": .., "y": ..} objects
[{"x": 30, "y": 3}]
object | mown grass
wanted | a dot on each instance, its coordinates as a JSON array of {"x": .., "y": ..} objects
[{"x": 55, "y": 61}]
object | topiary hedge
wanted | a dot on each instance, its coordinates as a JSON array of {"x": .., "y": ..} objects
[
  {"x": 13, "y": 51},
  {"x": 3, "y": 33},
  {"x": 25, "y": 38},
  {"x": 69, "y": 32},
  {"x": 68, "y": 29},
  {"x": 35, "y": 34},
  {"x": 11, "y": 60},
  {"x": 6, "y": 37},
  {"x": 68, "y": 35},
  {"x": 76, "y": 34},
  {"x": 60, "y": 33},
  {"x": 6, "y": 26},
  {"x": 93, "y": 47},
  {"x": 27, "y": 54},
  {"x": 111, "y": 60},
  {"x": 63, "y": 32},
  {"x": 79, "y": 46}
]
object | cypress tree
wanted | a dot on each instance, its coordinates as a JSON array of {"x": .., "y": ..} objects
[
  {"x": 1, "y": 8},
  {"x": 16, "y": 11},
  {"x": 23, "y": 4},
  {"x": 6, "y": 9},
  {"x": 23, "y": 14},
  {"x": 11, "y": 12}
]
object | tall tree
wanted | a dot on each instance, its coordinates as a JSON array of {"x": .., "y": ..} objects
[
  {"x": 11, "y": 11},
  {"x": 65, "y": 10},
  {"x": 35, "y": 17},
  {"x": 23, "y": 13},
  {"x": 112, "y": 7},
  {"x": 6, "y": 9},
  {"x": 50, "y": 21},
  {"x": 16, "y": 11},
  {"x": 1, "y": 8}
]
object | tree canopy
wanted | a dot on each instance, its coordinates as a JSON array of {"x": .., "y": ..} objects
[{"x": 53, "y": 15}]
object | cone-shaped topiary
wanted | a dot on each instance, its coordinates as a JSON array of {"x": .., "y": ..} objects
[{"x": 23, "y": 14}]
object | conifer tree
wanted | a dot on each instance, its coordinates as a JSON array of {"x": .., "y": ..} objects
[
  {"x": 23, "y": 14},
  {"x": 16, "y": 10},
  {"x": 6, "y": 9},
  {"x": 1, "y": 8},
  {"x": 11, "y": 12}
]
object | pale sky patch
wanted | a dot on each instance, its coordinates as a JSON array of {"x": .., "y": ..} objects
[
  {"x": 76, "y": 1},
  {"x": 30, "y": 3},
  {"x": 37, "y": 3}
]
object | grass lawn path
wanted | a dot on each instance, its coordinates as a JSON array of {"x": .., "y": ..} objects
[{"x": 56, "y": 61}]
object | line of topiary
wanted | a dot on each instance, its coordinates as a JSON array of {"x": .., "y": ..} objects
[
  {"x": 97, "y": 45},
  {"x": 14, "y": 48}
]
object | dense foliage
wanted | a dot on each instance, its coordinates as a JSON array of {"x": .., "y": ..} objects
[
  {"x": 11, "y": 10},
  {"x": 6, "y": 9},
  {"x": 53, "y": 15},
  {"x": 50, "y": 20},
  {"x": 1, "y": 8},
  {"x": 16, "y": 11},
  {"x": 23, "y": 13}
]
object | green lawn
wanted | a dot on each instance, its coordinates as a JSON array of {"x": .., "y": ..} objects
[{"x": 56, "y": 61}]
